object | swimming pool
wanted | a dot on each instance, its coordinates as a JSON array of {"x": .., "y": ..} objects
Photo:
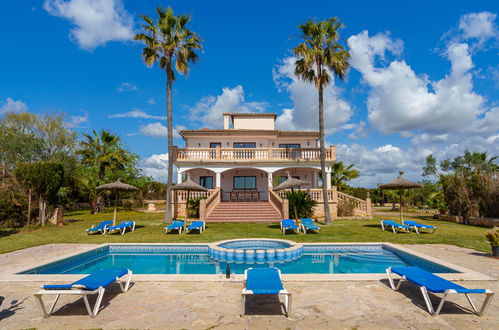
[{"x": 195, "y": 259}]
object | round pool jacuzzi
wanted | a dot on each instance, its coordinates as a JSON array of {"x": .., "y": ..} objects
[{"x": 255, "y": 250}]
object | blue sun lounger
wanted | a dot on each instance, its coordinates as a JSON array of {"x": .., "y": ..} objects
[
  {"x": 122, "y": 227},
  {"x": 435, "y": 284},
  {"x": 417, "y": 226},
  {"x": 100, "y": 228},
  {"x": 91, "y": 284},
  {"x": 175, "y": 225},
  {"x": 196, "y": 225},
  {"x": 394, "y": 225},
  {"x": 264, "y": 281},
  {"x": 308, "y": 224},
  {"x": 288, "y": 224}
]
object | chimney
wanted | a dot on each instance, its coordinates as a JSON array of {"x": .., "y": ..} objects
[{"x": 226, "y": 120}]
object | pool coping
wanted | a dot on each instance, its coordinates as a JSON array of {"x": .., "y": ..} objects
[{"x": 464, "y": 274}]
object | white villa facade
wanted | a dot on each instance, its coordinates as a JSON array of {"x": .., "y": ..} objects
[{"x": 243, "y": 161}]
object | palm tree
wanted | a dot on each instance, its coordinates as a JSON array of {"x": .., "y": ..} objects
[
  {"x": 104, "y": 151},
  {"x": 340, "y": 174},
  {"x": 101, "y": 153},
  {"x": 170, "y": 43},
  {"x": 318, "y": 55}
]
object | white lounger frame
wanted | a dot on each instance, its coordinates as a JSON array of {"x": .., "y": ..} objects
[
  {"x": 488, "y": 296},
  {"x": 416, "y": 229},
  {"x": 304, "y": 229},
  {"x": 284, "y": 229},
  {"x": 245, "y": 292},
  {"x": 394, "y": 228},
  {"x": 77, "y": 290},
  {"x": 122, "y": 230}
]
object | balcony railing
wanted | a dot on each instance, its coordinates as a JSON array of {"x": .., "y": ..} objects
[{"x": 253, "y": 154}]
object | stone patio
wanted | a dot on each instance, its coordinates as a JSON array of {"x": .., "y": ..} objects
[{"x": 209, "y": 305}]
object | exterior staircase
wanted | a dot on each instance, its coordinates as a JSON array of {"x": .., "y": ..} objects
[{"x": 244, "y": 212}]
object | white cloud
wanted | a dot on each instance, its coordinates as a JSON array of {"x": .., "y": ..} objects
[
  {"x": 126, "y": 87},
  {"x": 360, "y": 130},
  {"x": 155, "y": 166},
  {"x": 13, "y": 106},
  {"x": 304, "y": 113},
  {"x": 160, "y": 131},
  {"x": 151, "y": 101},
  {"x": 77, "y": 120},
  {"x": 209, "y": 110},
  {"x": 401, "y": 100},
  {"x": 478, "y": 26},
  {"x": 136, "y": 113},
  {"x": 96, "y": 21}
]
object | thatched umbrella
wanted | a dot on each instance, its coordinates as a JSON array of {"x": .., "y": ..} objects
[
  {"x": 400, "y": 183},
  {"x": 116, "y": 186},
  {"x": 290, "y": 183},
  {"x": 188, "y": 185}
]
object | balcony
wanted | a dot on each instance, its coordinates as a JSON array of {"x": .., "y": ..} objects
[{"x": 270, "y": 154}]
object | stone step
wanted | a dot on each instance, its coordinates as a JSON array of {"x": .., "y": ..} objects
[{"x": 244, "y": 212}]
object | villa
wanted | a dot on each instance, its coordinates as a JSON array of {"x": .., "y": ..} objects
[{"x": 243, "y": 161}]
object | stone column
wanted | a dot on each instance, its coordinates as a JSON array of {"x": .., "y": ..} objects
[
  {"x": 179, "y": 177},
  {"x": 328, "y": 179},
  {"x": 270, "y": 177}
]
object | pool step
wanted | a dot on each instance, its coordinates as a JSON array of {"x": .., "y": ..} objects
[{"x": 244, "y": 212}]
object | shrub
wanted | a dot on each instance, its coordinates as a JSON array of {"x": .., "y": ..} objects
[
  {"x": 304, "y": 204},
  {"x": 492, "y": 235},
  {"x": 193, "y": 207}
]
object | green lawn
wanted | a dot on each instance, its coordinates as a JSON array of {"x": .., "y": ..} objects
[{"x": 150, "y": 229}]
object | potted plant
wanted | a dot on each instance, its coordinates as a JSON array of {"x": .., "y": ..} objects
[{"x": 492, "y": 235}]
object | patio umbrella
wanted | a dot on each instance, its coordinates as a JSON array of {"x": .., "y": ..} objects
[
  {"x": 400, "y": 183},
  {"x": 290, "y": 183},
  {"x": 188, "y": 185},
  {"x": 116, "y": 186}
]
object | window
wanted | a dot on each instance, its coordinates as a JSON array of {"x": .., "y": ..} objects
[
  {"x": 289, "y": 145},
  {"x": 206, "y": 181},
  {"x": 215, "y": 144},
  {"x": 290, "y": 154},
  {"x": 245, "y": 183},
  {"x": 244, "y": 145}
]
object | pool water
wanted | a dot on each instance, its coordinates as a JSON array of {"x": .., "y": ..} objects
[
  {"x": 194, "y": 259},
  {"x": 258, "y": 244}
]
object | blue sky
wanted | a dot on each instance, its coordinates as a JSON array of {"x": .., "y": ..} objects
[{"x": 424, "y": 76}]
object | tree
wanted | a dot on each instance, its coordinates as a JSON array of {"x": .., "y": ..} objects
[
  {"x": 101, "y": 154},
  {"x": 45, "y": 178},
  {"x": 170, "y": 43},
  {"x": 340, "y": 174},
  {"x": 57, "y": 140},
  {"x": 319, "y": 55},
  {"x": 105, "y": 151},
  {"x": 430, "y": 168}
]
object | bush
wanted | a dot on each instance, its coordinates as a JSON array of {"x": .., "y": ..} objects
[
  {"x": 12, "y": 208},
  {"x": 304, "y": 204},
  {"x": 346, "y": 208},
  {"x": 492, "y": 235},
  {"x": 193, "y": 207}
]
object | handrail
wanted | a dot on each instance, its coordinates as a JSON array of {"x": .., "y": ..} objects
[
  {"x": 212, "y": 201},
  {"x": 262, "y": 154},
  {"x": 361, "y": 207},
  {"x": 315, "y": 194},
  {"x": 351, "y": 197},
  {"x": 281, "y": 205}
]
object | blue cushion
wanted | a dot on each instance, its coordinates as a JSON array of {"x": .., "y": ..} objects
[
  {"x": 196, "y": 225},
  {"x": 264, "y": 281},
  {"x": 101, "y": 226},
  {"x": 416, "y": 224},
  {"x": 433, "y": 283},
  {"x": 124, "y": 224},
  {"x": 395, "y": 224},
  {"x": 307, "y": 222},
  {"x": 102, "y": 278},
  {"x": 176, "y": 224},
  {"x": 288, "y": 224}
]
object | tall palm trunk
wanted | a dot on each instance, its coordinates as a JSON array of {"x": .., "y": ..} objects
[
  {"x": 169, "y": 78},
  {"x": 323, "y": 156}
]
